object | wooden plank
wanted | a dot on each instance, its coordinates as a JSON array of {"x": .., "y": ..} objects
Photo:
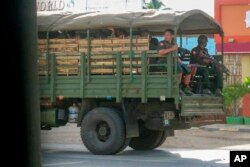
[
  {"x": 101, "y": 41},
  {"x": 121, "y": 41},
  {"x": 71, "y": 55},
  {"x": 68, "y": 57},
  {"x": 102, "y": 71},
  {"x": 100, "y": 49},
  {"x": 72, "y": 62},
  {"x": 83, "y": 50},
  {"x": 40, "y": 46},
  {"x": 83, "y": 42},
  {"x": 122, "y": 48},
  {"x": 102, "y": 63},
  {"x": 71, "y": 41},
  {"x": 62, "y": 46},
  {"x": 56, "y": 41},
  {"x": 68, "y": 71},
  {"x": 69, "y": 49},
  {"x": 42, "y": 42},
  {"x": 142, "y": 40},
  {"x": 142, "y": 48}
]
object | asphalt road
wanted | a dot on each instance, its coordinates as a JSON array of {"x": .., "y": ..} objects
[
  {"x": 76, "y": 155},
  {"x": 62, "y": 147}
]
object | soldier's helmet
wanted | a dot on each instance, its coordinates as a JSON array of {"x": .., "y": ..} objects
[{"x": 202, "y": 39}]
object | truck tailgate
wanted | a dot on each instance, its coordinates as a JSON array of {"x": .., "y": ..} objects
[{"x": 202, "y": 105}]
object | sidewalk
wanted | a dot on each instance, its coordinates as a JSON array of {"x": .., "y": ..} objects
[{"x": 226, "y": 127}]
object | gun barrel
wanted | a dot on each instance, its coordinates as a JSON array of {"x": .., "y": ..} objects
[{"x": 197, "y": 65}]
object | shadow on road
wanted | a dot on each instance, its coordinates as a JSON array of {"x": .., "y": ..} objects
[{"x": 131, "y": 158}]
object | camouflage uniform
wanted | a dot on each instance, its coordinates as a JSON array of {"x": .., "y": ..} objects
[
  {"x": 196, "y": 58},
  {"x": 166, "y": 45}
]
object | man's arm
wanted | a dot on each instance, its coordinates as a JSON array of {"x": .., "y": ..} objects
[
  {"x": 196, "y": 58},
  {"x": 166, "y": 51},
  {"x": 206, "y": 60}
]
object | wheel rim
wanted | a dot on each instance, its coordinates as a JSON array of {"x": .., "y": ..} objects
[{"x": 103, "y": 131}]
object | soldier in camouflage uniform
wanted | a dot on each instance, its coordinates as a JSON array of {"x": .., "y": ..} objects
[
  {"x": 196, "y": 58},
  {"x": 167, "y": 46}
]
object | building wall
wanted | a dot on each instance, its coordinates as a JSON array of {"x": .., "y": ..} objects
[
  {"x": 231, "y": 14},
  {"x": 234, "y": 63},
  {"x": 238, "y": 64},
  {"x": 245, "y": 61},
  {"x": 235, "y": 20},
  {"x": 246, "y": 106}
]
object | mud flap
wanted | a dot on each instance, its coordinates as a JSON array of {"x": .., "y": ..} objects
[{"x": 199, "y": 105}]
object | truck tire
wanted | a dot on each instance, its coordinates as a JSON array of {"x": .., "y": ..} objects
[
  {"x": 103, "y": 131},
  {"x": 147, "y": 140},
  {"x": 162, "y": 139},
  {"x": 125, "y": 144}
]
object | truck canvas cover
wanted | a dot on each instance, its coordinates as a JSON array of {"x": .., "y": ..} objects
[{"x": 190, "y": 22}]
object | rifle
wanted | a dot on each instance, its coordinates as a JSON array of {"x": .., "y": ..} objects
[
  {"x": 186, "y": 67},
  {"x": 196, "y": 65},
  {"x": 213, "y": 61}
]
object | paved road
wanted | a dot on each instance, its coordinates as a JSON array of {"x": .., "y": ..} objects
[
  {"x": 62, "y": 147},
  {"x": 193, "y": 138},
  {"x": 76, "y": 155}
]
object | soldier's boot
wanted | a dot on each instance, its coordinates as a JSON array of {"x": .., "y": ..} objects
[{"x": 187, "y": 90}]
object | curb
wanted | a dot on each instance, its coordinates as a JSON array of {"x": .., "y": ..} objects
[{"x": 229, "y": 129}]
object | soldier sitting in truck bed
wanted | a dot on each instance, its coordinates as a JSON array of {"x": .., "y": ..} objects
[
  {"x": 198, "y": 58},
  {"x": 167, "y": 46}
]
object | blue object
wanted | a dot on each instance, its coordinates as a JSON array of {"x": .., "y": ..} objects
[
  {"x": 191, "y": 42},
  {"x": 109, "y": 97}
]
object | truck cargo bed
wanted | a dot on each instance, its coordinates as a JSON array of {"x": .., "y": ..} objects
[{"x": 198, "y": 105}]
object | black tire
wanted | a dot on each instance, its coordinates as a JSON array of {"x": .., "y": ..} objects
[
  {"x": 147, "y": 140},
  {"x": 103, "y": 131},
  {"x": 125, "y": 144},
  {"x": 162, "y": 139}
]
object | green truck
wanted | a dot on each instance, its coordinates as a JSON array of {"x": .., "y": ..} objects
[{"x": 121, "y": 101}]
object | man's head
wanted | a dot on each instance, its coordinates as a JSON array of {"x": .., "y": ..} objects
[
  {"x": 169, "y": 35},
  {"x": 202, "y": 41}
]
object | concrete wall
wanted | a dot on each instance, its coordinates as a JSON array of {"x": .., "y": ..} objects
[{"x": 245, "y": 61}]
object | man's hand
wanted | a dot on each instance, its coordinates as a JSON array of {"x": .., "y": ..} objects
[
  {"x": 206, "y": 61},
  {"x": 174, "y": 48}
]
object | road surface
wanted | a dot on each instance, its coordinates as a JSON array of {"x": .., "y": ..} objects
[
  {"x": 76, "y": 155},
  {"x": 62, "y": 147}
]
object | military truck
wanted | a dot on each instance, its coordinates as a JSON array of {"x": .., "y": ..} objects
[{"x": 122, "y": 102}]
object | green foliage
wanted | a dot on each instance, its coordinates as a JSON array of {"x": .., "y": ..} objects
[
  {"x": 247, "y": 81},
  {"x": 154, "y": 4},
  {"x": 234, "y": 93}
]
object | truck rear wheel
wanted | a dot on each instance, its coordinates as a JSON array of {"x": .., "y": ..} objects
[
  {"x": 103, "y": 131},
  {"x": 148, "y": 139},
  {"x": 162, "y": 139},
  {"x": 125, "y": 144}
]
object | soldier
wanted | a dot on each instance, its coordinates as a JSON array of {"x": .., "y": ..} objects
[
  {"x": 197, "y": 57},
  {"x": 167, "y": 46}
]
